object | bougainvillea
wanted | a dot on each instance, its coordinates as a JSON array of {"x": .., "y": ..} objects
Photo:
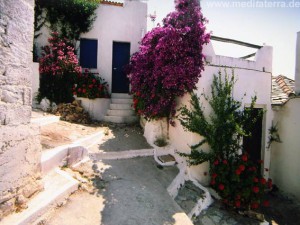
[
  {"x": 90, "y": 85},
  {"x": 169, "y": 61},
  {"x": 58, "y": 70},
  {"x": 234, "y": 175}
]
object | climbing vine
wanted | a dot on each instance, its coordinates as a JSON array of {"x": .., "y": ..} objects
[{"x": 169, "y": 61}]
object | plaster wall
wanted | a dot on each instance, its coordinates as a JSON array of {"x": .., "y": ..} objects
[
  {"x": 127, "y": 23},
  {"x": 252, "y": 78},
  {"x": 120, "y": 24},
  {"x": 285, "y": 156}
]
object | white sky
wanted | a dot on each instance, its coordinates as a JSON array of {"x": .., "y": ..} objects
[{"x": 270, "y": 24}]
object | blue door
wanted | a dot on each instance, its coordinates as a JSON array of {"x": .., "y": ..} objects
[
  {"x": 121, "y": 56},
  {"x": 88, "y": 53}
]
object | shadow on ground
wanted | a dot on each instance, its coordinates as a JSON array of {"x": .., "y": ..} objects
[{"x": 123, "y": 138}]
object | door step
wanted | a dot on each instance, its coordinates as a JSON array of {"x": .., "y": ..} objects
[
  {"x": 120, "y": 110},
  {"x": 121, "y": 101},
  {"x": 121, "y": 96},
  {"x": 121, "y": 119}
]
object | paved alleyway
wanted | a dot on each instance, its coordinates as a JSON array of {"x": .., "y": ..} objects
[{"x": 133, "y": 192}]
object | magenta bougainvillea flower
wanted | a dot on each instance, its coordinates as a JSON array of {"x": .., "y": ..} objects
[{"x": 169, "y": 61}]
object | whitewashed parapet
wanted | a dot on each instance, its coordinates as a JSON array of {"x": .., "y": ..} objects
[{"x": 263, "y": 59}]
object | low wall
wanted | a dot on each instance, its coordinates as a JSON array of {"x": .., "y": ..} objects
[
  {"x": 285, "y": 166},
  {"x": 97, "y": 108}
]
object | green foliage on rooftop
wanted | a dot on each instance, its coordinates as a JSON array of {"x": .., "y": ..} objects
[{"x": 69, "y": 17}]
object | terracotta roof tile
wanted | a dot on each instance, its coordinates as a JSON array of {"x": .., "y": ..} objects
[
  {"x": 282, "y": 89},
  {"x": 115, "y": 3}
]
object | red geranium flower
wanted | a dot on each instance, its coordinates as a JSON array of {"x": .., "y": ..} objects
[
  {"x": 242, "y": 167},
  {"x": 221, "y": 187},
  {"x": 254, "y": 205},
  {"x": 213, "y": 182},
  {"x": 214, "y": 175},
  {"x": 266, "y": 203},
  {"x": 225, "y": 162},
  {"x": 255, "y": 179},
  {"x": 263, "y": 181},
  {"x": 238, "y": 172},
  {"x": 255, "y": 189},
  {"x": 269, "y": 183},
  {"x": 238, "y": 204},
  {"x": 245, "y": 158},
  {"x": 216, "y": 162},
  {"x": 83, "y": 91}
]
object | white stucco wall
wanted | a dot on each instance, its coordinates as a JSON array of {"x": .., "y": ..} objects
[
  {"x": 127, "y": 23},
  {"x": 253, "y": 78},
  {"x": 115, "y": 23},
  {"x": 285, "y": 166}
]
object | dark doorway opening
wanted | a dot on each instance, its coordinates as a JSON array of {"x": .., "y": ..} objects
[
  {"x": 253, "y": 143},
  {"x": 121, "y": 57}
]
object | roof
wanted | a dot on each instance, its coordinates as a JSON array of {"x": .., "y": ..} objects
[
  {"x": 282, "y": 89},
  {"x": 115, "y": 3}
]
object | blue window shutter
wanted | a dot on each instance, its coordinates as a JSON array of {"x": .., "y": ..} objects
[{"x": 88, "y": 53}]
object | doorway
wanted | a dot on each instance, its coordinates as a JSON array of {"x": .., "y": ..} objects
[
  {"x": 121, "y": 57},
  {"x": 253, "y": 144}
]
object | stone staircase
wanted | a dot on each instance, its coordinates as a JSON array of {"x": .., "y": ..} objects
[{"x": 120, "y": 109}]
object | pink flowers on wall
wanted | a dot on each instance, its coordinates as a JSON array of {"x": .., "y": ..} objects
[{"x": 169, "y": 61}]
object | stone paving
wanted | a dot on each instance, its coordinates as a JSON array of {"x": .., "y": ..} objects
[
  {"x": 133, "y": 191},
  {"x": 216, "y": 215}
]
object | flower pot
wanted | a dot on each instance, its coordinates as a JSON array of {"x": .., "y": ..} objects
[{"x": 156, "y": 129}]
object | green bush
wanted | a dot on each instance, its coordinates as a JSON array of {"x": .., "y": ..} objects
[{"x": 235, "y": 177}]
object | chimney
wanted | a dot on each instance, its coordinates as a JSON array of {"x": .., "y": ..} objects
[{"x": 297, "y": 70}]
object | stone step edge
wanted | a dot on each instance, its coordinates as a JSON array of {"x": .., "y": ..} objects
[
  {"x": 39, "y": 205},
  {"x": 129, "y": 154},
  {"x": 60, "y": 155},
  {"x": 42, "y": 121}
]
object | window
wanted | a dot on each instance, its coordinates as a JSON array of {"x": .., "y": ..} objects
[{"x": 88, "y": 53}]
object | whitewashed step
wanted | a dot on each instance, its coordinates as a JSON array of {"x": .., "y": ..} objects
[
  {"x": 120, "y": 106},
  {"x": 58, "y": 185},
  {"x": 121, "y": 96},
  {"x": 121, "y": 101},
  {"x": 121, "y": 119},
  {"x": 118, "y": 112}
]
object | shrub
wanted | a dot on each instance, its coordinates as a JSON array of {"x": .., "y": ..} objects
[
  {"x": 58, "y": 70},
  {"x": 234, "y": 176},
  {"x": 169, "y": 61},
  {"x": 70, "y": 17},
  {"x": 90, "y": 85}
]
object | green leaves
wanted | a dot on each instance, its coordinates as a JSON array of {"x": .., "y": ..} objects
[
  {"x": 233, "y": 175},
  {"x": 70, "y": 17}
]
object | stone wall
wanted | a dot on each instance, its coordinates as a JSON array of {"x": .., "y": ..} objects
[{"x": 20, "y": 149}]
